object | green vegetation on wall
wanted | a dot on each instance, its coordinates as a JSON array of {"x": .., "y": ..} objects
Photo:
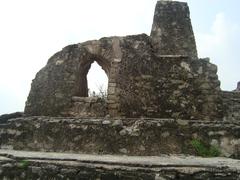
[{"x": 205, "y": 150}]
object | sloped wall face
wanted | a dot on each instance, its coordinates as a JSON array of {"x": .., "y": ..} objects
[
  {"x": 169, "y": 87},
  {"x": 64, "y": 76}
]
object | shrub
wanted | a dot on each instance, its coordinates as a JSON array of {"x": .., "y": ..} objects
[
  {"x": 205, "y": 150},
  {"x": 23, "y": 164}
]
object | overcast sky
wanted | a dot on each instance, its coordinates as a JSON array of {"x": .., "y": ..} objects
[{"x": 33, "y": 30}]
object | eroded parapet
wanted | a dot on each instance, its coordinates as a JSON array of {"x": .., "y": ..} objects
[{"x": 172, "y": 32}]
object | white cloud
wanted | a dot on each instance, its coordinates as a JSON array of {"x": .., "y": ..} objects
[{"x": 221, "y": 45}]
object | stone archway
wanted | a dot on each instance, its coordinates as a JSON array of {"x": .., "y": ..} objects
[
  {"x": 65, "y": 77},
  {"x": 84, "y": 68},
  {"x": 82, "y": 104}
]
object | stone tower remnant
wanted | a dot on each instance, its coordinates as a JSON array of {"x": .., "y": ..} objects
[
  {"x": 149, "y": 76},
  {"x": 172, "y": 32}
]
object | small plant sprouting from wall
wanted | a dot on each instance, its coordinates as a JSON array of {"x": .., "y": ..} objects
[
  {"x": 101, "y": 92},
  {"x": 23, "y": 164},
  {"x": 205, "y": 150}
]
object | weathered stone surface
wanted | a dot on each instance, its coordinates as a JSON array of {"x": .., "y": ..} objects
[
  {"x": 87, "y": 107},
  {"x": 172, "y": 32},
  {"x": 5, "y": 117},
  {"x": 36, "y": 165},
  {"x": 64, "y": 76},
  {"x": 119, "y": 136},
  {"x": 176, "y": 89},
  {"x": 144, "y": 84}
]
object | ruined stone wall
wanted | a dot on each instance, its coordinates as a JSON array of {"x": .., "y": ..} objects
[
  {"x": 150, "y": 76},
  {"x": 54, "y": 85},
  {"x": 231, "y": 105},
  {"x": 166, "y": 86},
  {"x": 141, "y": 83},
  {"x": 88, "y": 107},
  {"x": 64, "y": 76}
]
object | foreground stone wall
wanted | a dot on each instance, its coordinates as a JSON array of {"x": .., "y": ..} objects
[
  {"x": 119, "y": 136},
  {"x": 20, "y": 165}
]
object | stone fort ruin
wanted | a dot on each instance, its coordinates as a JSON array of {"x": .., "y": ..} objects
[
  {"x": 161, "y": 99},
  {"x": 156, "y": 76}
]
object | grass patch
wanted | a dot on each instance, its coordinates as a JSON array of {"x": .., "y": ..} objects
[{"x": 205, "y": 150}]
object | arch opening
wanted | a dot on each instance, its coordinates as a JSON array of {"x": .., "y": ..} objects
[
  {"x": 93, "y": 78},
  {"x": 90, "y": 99},
  {"x": 97, "y": 80}
]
